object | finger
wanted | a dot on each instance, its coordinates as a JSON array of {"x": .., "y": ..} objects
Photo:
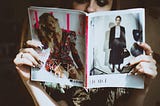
[
  {"x": 23, "y": 61},
  {"x": 139, "y": 69},
  {"x": 148, "y": 69},
  {"x": 21, "y": 58},
  {"x": 146, "y": 48},
  {"x": 33, "y": 60},
  {"x": 34, "y": 43},
  {"x": 142, "y": 58},
  {"x": 32, "y": 52},
  {"x": 140, "y": 72},
  {"x": 135, "y": 69}
]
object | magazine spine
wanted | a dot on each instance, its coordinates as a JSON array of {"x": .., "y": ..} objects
[{"x": 86, "y": 69}]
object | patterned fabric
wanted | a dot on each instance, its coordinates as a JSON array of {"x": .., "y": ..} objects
[
  {"x": 77, "y": 96},
  {"x": 61, "y": 52}
]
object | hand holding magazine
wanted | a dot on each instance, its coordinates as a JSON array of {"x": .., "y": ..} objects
[{"x": 87, "y": 50}]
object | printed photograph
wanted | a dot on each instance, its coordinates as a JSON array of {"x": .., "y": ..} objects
[
  {"x": 63, "y": 45},
  {"x": 116, "y": 39},
  {"x": 113, "y": 43}
]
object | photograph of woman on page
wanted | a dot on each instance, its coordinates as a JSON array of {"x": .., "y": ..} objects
[{"x": 61, "y": 43}]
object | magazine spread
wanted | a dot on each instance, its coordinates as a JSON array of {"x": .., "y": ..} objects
[{"x": 88, "y": 50}]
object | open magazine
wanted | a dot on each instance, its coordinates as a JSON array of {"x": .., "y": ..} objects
[{"x": 88, "y": 50}]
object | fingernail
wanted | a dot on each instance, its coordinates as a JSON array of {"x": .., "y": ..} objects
[
  {"x": 41, "y": 47},
  {"x": 39, "y": 65},
  {"x": 40, "y": 62},
  {"x": 128, "y": 64}
]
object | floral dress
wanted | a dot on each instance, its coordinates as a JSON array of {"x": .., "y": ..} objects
[{"x": 61, "y": 52}]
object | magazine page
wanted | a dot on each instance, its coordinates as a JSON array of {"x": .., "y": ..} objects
[
  {"x": 61, "y": 33},
  {"x": 113, "y": 39}
]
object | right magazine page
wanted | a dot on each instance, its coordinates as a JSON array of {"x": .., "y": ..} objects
[{"x": 113, "y": 39}]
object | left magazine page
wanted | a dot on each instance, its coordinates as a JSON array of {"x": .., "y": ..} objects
[{"x": 61, "y": 33}]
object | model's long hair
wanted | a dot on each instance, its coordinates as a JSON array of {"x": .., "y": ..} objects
[
  {"x": 43, "y": 19},
  {"x": 45, "y": 35}
]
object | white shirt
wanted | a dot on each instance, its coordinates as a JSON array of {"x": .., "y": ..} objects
[{"x": 117, "y": 32}]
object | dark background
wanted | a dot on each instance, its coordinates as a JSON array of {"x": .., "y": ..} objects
[{"x": 12, "y": 15}]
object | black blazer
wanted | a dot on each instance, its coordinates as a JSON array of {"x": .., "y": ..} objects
[{"x": 122, "y": 37}]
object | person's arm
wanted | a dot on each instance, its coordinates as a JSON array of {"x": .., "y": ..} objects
[
  {"x": 25, "y": 59},
  {"x": 39, "y": 96}
]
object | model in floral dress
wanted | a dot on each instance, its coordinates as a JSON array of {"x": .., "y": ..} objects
[{"x": 62, "y": 44}]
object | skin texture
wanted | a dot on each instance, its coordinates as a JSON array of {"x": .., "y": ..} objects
[
  {"x": 92, "y": 6},
  {"x": 28, "y": 57}
]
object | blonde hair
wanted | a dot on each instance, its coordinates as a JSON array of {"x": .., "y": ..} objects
[{"x": 44, "y": 18}]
